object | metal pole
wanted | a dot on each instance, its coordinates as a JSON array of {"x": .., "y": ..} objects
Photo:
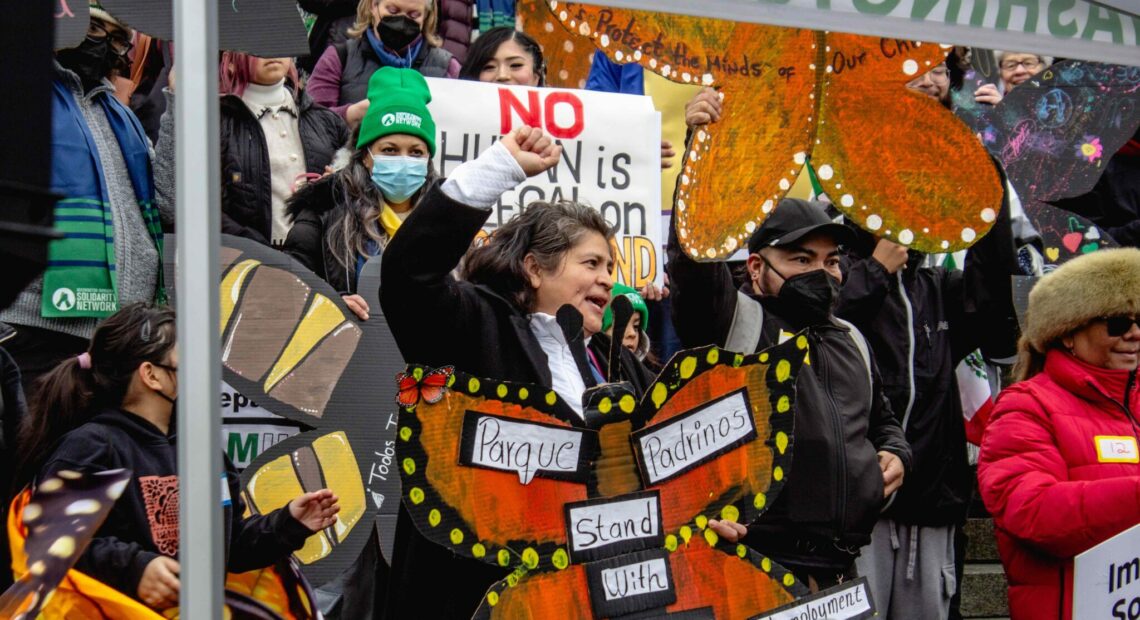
[{"x": 200, "y": 529}]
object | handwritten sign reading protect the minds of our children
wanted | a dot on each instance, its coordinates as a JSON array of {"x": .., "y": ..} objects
[
  {"x": 611, "y": 157},
  {"x": 1106, "y": 579}
]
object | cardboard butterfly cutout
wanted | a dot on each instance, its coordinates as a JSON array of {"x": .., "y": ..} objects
[
  {"x": 790, "y": 95},
  {"x": 1054, "y": 134},
  {"x": 49, "y": 530},
  {"x": 290, "y": 344},
  {"x": 497, "y": 471}
]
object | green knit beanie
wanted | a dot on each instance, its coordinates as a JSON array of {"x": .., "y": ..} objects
[
  {"x": 398, "y": 101},
  {"x": 635, "y": 300}
]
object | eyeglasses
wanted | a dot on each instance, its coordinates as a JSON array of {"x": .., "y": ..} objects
[
  {"x": 1030, "y": 64},
  {"x": 1117, "y": 326},
  {"x": 120, "y": 43}
]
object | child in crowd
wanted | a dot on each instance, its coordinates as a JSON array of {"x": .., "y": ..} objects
[{"x": 112, "y": 407}]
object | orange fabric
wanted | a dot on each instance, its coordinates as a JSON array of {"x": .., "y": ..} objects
[{"x": 78, "y": 596}]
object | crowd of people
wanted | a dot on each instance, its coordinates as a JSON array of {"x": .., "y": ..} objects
[{"x": 329, "y": 160}]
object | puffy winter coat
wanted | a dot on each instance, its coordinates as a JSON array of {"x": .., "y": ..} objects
[
  {"x": 313, "y": 208},
  {"x": 455, "y": 17},
  {"x": 1052, "y": 487},
  {"x": 246, "y": 176}
]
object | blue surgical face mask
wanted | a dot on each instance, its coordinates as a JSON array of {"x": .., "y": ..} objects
[{"x": 397, "y": 176}]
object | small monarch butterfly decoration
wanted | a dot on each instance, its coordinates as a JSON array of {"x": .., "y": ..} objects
[
  {"x": 291, "y": 344},
  {"x": 836, "y": 102},
  {"x": 420, "y": 385},
  {"x": 711, "y": 438}
]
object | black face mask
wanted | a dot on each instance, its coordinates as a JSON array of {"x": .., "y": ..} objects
[
  {"x": 398, "y": 32},
  {"x": 808, "y": 298},
  {"x": 92, "y": 61}
]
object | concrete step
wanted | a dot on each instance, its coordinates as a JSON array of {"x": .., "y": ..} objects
[
  {"x": 982, "y": 547},
  {"x": 984, "y": 591}
]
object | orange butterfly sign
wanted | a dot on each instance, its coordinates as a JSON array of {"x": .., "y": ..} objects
[
  {"x": 894, "y": 161},
  {"x": 571, "y": 502},
  {"x": 421, "y": 384}
]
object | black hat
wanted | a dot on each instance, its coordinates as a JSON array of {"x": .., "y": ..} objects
[{"x": 793, "y": 219}]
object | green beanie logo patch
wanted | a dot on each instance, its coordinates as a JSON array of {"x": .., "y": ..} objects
[{"x": 402, "y": 118}]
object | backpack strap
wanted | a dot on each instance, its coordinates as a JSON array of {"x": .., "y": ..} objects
[
  {"x": 747, "y": 322},
  {"x": 864, "y": 352}
]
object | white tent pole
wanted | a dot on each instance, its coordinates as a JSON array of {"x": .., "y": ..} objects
[{"x": 201, "y": 530}]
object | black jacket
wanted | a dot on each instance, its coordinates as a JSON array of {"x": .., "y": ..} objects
[
  {"x": 314, "y": 208},
  {"x": 144, "y": 521},
  {"x": 921, "y": 322},
  {"x": 334, "y": 18},
  {"x": 834, "y": 492},
  {"x": 246, "y": 176},
  {"x": 439, "y": 321}
]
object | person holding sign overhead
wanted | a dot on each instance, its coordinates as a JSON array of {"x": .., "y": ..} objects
[
  {"x": 343, "y": 219},
  {"x": 499, "y": 321},
  {"x": 1060, "y": 465},
  {"x": 850, "y": 450}
]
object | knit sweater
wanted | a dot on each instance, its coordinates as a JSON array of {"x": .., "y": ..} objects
[
  {"x": 276, "y": 111},
  {"x": 136, "y": 258}
]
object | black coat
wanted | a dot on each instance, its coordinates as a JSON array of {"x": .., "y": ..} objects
[
  {"x": 439, "y": 321},
  {"x": 334, "y": 18},
  {"x": 921, "y": 322},
  {"x": 138, "y": 529},
  {"x": 834, "y": 492},
  {"x": 246, "y": 176},
  {"x": 313, "y": 208}
]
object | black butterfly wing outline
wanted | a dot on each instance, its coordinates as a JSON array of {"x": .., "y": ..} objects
[
  {"x": 291, "y": 344},
  {"x": 463, "y": 487},
  {"x": 50, "y": 528}
]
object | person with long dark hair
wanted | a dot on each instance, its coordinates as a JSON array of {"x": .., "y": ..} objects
[
  {"x": 112, "y": 407},
  {"x": 342, "y": 220},
  {"x": 505, "y": 56}
]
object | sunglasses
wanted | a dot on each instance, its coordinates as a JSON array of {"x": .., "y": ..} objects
[{"x": 1117, "y": 326}]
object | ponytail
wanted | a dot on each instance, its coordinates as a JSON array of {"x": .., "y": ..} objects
[
  {"x": 79, "y": 387},
  {"x": 61, "y": 401}
]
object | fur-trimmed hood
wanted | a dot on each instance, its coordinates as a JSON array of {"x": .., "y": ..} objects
[{"x": 1104, "y": 283}]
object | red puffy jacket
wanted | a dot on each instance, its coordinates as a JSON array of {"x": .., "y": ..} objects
[{"x": 1052, "y": 492}]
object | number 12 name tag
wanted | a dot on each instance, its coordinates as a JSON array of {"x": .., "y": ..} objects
[{"x": 1114, "y": 449}]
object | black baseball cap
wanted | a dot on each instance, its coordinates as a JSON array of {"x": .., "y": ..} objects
[{"x": 794, "y": 219}]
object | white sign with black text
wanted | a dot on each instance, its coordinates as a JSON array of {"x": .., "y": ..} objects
[
  {"x": 681, "y": 443},
  {"x": 847, "y": 601},
  {"x": 1106, "y": 579}
]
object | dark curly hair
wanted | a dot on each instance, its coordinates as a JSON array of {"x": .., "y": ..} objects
[{"x": 545, "y": 231}]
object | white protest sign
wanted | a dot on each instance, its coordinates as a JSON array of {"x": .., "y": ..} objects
[
  {"x": 683, "y": 442},
  {"x": 611, "y": 157},
  {"x": 1106, "y": 578},
  {"x": 525, "y": 448},
  {"x": 850, "y": 600},
  {"x": 249, "y": 429}
]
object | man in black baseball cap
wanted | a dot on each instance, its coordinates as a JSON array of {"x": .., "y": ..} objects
[{"x": 850, "y": 452}]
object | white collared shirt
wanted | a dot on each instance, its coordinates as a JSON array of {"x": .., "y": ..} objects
[{"x": 566, "y": 379}]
